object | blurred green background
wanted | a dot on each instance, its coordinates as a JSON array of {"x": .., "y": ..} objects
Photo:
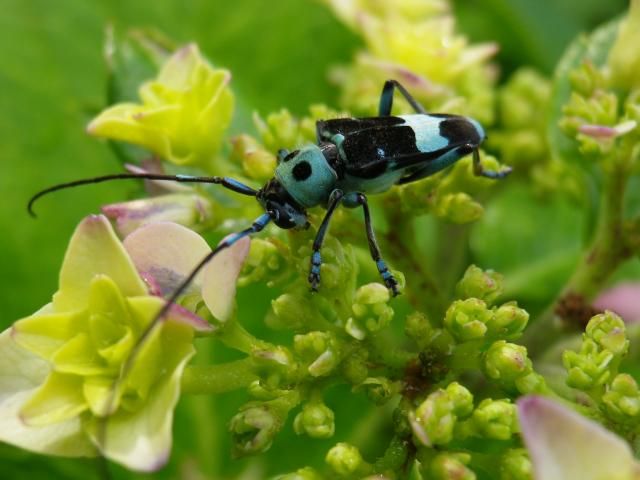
[{"x": 52, "y": 80}]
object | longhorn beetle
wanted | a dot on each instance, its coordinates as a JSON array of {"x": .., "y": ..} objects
[{"x": 353, "y": 157}]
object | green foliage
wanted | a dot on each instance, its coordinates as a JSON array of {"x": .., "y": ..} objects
[{"x": 349, "y": 381}]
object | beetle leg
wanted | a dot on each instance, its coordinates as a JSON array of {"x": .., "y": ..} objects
[
  {"x": 479, "y": 170},
  {"x": 386, "y": 98},
  {"x": 316, "y": 259},
  {"x": 387, "y": 276}
]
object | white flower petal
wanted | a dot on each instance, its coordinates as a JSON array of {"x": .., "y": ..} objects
[
  {"x": 21, "y": 372},
  {"x": 165, "y": 253},
  {"x": 564, "y": 445},
  {"x": 220, "y": 278}
]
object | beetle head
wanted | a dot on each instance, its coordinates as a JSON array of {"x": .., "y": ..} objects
[{"x": 284, "y": 210}]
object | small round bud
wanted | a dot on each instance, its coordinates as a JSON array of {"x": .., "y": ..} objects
[
  {"x": 623, "y": 398},
  {"x": 253, "y": 429},
  {"x": 495, "y": 419},
  {"x": 508, "y": 322},
  {"x": 609, "y": 332},
  {"x": 418, "y": 328},
  {"x": 379, "y": 389},
  {"x": 506, "y": 361},
  {"x": 370, "y": 310},
  {"x": 450, "y": 466},
  {"x": 466, "y": 319},
  {"x": 306, "y": 473},
  {"x": 532, "y": 383},
  {"x": 461, "y": 398},
  {"x": 345, "y": 459},
  {"x": 354, "y": 367},
  {"x": 321, "y": 349},
  {"x": 458, "y": 208},
  {"x": 515, "y": 465},
  {"x": 588, "y": 368},
  {"x": 434, "y": 419},
  {"x": 482, "y": 284},
  {"x": 316, "y": 420},
  {"x": 288, "y": 311},
  {"x": 257, "y": 163}
]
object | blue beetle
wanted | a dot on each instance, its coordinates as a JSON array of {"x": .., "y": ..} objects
[{"x": 353, "y": 157}]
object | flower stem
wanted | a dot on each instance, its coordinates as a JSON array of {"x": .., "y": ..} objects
[
  {"x": 608, "y": 249},
  {"x": 225, "y": 377}
]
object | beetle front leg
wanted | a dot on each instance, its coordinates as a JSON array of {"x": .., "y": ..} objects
[
  {"x": 479, "y": 170},
  {"x": 316, "y": 259},
  {"x": 374, "y": 249}
]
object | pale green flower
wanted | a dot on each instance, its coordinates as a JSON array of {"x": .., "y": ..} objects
[
  {"x": 182, "y": 115},
  {"x": 60, "y": 391}
]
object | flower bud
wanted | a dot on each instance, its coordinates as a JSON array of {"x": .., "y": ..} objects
[
  {"x": 485, "y": 285},
  {"x": 609, "y": 332},
  {"x": 264, "y": 263},
  {"x": 506, "y": 361},
  {"x": 495, "y": 419},
  {"x": 370, "y": 309},
  {"x": 588, "y": 368},
  {"x": 458, "y": 208},
  {"x": 257, "y": 163},
  {"x": 507, "y": 322},
  {"x": 321, "y": 349},
  {"x": 461, "y": 399},
  {"x": 622, "y": 400},
  {"x": 306, "y": 473},
  {"x": 466, "y": 319},
  {"x": 623, "y": 61},
  {"x": 345, "y": 459},
  {"x": 354, "y": 367},
  {"x": 316, "y": 420},
  {"x": 450, "y": 466},
  {"x": 289, "y": 311},
  {"x": 418, "y": 327},
  {"x": 531, "y": 383},
  {"x": 515, "y": 465},
  {"x": 254, "y": 428},
  {"x": 379, "y": 389},
  {"x": 434, "y": 419}
]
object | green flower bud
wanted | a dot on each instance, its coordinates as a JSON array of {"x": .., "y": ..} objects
[
  {"x": 254, "y": 428},
  {"x": 450, "y": 466},
  {"x": 266, "y": 391},
  {"x": 515, "y": 465},
  {"x": 624, "y": 61},
  {"x": 290, "y": 311},
  {"x": 257, "y": 163},
  {"x": 506, "y": 361},
  {"x": 316, "y": 420},
  {"x": 418, "y": 327},
  {"x": 622, "y": 400},
  {"x": 495, "y": 419},
  {"x": 265, "y": 263},
  {"x": 457, "y": 208},
  {"x": 434, "y": 420},
  {"x": 482, "y": 284},
  {"x": 379, "y": 389},
  {"x": 467, "y": 319},
  {"x": 461, "y": 398},
  {"x": 320, "y": 349},
  {"x": 354, "y": 367},
  {"x": 370, "y": 309},
  {"x": 588, "y": 368},
  {"x": 508, "y": 321},
  {"x": 276, "y": 364},
  {"x": 609, "y": 332},
  {"x": 345, "y": 460},
  {"x": 531, "y": 383},
  {"x": 306, "y": 473}
]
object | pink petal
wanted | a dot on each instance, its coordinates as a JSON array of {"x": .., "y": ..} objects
[
  {"x": 220, "y": 277},
  {"x": 623, "y": 299}
]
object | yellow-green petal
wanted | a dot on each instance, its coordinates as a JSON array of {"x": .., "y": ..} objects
[
  {"x": 94, "y": 249},
  {"x": 58, "y": 399},
  {"x": 44, "y": 334}
]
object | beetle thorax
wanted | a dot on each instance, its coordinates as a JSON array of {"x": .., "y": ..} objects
[{"x": 307, "y": 176}]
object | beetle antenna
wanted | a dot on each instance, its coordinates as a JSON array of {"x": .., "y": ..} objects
[
  {"x": 226, "y": 182},
  {"x": 257, "y": 226}
]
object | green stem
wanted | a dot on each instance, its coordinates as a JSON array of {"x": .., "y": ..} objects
[
  {"x": 234, "y": 335},
  {"x": 608, "y": 249},
  {"x": 212, "y": 379}
]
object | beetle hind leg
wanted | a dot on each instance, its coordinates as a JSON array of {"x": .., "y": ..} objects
[
  {"x": 335, "y": 199},
  {"x": 386, "y": 98},
  {"x": 478, "y": 168}
]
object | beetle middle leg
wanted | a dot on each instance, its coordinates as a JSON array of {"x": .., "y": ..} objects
[
  {"x": 374, "y": 249},
  {"x": 386, "y": 98},
  {"x": 316, "y": 259},
  {"x": 478, "y": 168}
]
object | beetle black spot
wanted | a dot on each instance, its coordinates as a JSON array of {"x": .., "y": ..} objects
[
  {"x": 290, "y": 156},
  {"x": 459, "y": 130},
  {"x": 301, "y": 171}
]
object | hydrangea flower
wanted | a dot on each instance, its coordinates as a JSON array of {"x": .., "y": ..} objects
[
  {"x": 59, "y": 366},
  {"x": 182, "y": 115}
]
